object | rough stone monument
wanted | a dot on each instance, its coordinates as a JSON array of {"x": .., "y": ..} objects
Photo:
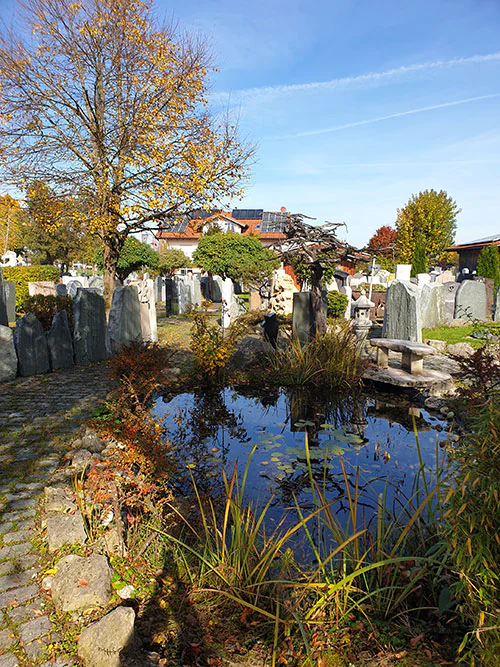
[
  {"x": 10, "y": 297},
  {"x": 432, "y": 305},
  {"x": 282, "y": 299},
  {"x": 8, "y": 356},
  {"x": 450, "y": 295},
  {"x": 89, "y": 327},
  {"x": 97, "y": 283},
  {"x": 147, "y": 307},
  {"x": 31, "y": 346},
  {"x": 470, "y": 302},
  {"x": 124, "y": 321},
  {"x": 496, "y": 307},
  {"x": 61, "y": 290},
  {"x": 4, "y": 320},
  {"x": 60, "y": 342},
  {"x": 402, "y": 312},
  {"x": 73, "y": 286}
]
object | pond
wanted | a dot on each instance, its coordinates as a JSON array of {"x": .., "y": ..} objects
[{"x": 371, "y": 437}]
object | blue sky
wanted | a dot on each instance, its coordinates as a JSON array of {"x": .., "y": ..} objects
[{"x": 357, "y": 104}]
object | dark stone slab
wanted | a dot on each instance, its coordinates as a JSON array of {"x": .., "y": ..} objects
[
  {"x": 89, "y": 327},
  {"x": 60, "y": 342},
  {"x": 8, "y": 356},
  {"x": 4, "y": 321},
  {"x": 124, "y": 322},
  {"x": 31, "y": 346}
]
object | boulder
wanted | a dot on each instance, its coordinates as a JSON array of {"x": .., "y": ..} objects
[
  {"x": 81, "y": 583},
  {"x": 101, "y": 643},
  {"x": 460, "y": 349},
  {"x": 247, "y": 351},
  {"x": 58, "y": 500}
]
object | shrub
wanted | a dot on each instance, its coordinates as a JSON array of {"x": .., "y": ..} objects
[
  {"x": 337, "y": 304},
  {"x": 419, "y": 260},
  {"x": 212, "y": 346},
  {"x": 44, "y": 307},
  {"x": 488, "y": 264},
  {"x": 22, "y": 275}
]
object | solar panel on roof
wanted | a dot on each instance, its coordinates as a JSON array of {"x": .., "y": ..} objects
[
  {"x": 273, "y": 222},
  {"x": 247, "y": 213},
  {"x": 175, "y": 227}
]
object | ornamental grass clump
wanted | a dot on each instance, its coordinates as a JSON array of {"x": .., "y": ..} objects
[{"x": 333, "y": 361}]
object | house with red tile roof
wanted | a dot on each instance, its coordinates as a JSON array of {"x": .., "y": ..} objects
[{"x": 184, "y": 234}]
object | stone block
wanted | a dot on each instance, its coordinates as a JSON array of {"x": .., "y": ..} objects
[
  {"x": 8, "y": 356},
  {"x": 402, "y": 312},
  {"x": 65, "y": 529},
  {"x": 89, "y": 335},
  {"x": 31, "y": 346},
  {"x": 60, "y": 342},
  {"x": 42, "y": 287},
  {"x": 147, "y": 308},
  {"x": 101, "y": 643},
  {"x": 97, "y": 283},
  {"x": 124, "y": 321},
  {"x": 82, "y": 583},
  {"x": 72, "y": 287},
  {"x": 470, "y": 302},
  {"x": 61, "y": 290}
]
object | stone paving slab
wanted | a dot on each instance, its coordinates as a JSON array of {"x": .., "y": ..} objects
[{"x": 40, "y": 417}]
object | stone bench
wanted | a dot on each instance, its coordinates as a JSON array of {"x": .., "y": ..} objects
[{"x": 412, "y": 353}]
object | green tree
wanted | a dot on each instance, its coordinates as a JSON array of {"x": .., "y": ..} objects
[
  {"x": 431, "y": 217},
  {"x": 488, "y": 264},
  {"x": 171, "y": 259},
  {"x": 419, "y": 259},
  {"x": 235, "y": 256},
  {"x": 102, "y": 95},
  {"x": 69, "y": 241},
  {"x": 134, "y": 256}
]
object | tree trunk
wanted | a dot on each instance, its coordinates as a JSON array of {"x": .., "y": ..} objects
[
  {"x": 317, "y": 306},
  {"x": 111, "y": 254}
]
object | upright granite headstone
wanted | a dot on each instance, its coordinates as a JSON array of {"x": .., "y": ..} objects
[
  {"x": 195, "y": 284},
  {"x": 31, "y": 346},
  {"x": 89, "y": 327},
  {"x": 10, "y": 297},
  {"x": 8, "y": 357},
  {"x": 73, "y": 286},
  {"x": 450, "y": 295},
  {"x": 61, "y": 289},
  {"x": 60, "y": 342},
  {"x": 171, "y": 300},
  {"x": 402, "y": 312},
  {"x": 496, "y": 307},
  {"x": 42, "y": 287},
  {"x": 4, "y": 320},
  {"x": 445, "y": 277},
  {"x": 216, "y": 289},
  {"x": 147, "y": 307},
  {"x": 432, "y": 305},
  {"x": 124, "y": 321},
  {"x": 227, "y": 302},
  {"x": 470, "y": 302}
]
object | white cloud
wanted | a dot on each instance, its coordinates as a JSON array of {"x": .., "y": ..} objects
[{"x": 371, "y": 77}]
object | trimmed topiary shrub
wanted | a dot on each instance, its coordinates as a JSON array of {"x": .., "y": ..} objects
[
  {"x": 337, "y": 304},
  {"x": 22, "y": 275}
]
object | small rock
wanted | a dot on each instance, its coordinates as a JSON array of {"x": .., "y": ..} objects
[
  {"x": 460, "y": 349},
  {"x": 82, "y": 583},
  {"x": 92, "y": 442},
  {"x": 101, "y": 643},
  {"x": 126, "y": 592},
  {"x": 65, "y": 529},
  {"x": 453, "y": 437},
  {"x": 81, "y": 459},
  {"x": 47, "y": 583},
  {"x": 438, "y": 345},
  {"x": 58, "y": 500},
  {"x": 450, "y": 414}
]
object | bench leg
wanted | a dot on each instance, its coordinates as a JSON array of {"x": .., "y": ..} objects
[
  {"x": 413, "y": 363},
  {"x": 382, "y": 358}
]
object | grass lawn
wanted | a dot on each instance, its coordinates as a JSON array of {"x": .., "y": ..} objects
[
  {"x": 457, "y": 334},
  {"x": 175, "y": 331}
]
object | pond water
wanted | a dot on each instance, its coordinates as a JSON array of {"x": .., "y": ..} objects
[{"x": 372, "y": 436}]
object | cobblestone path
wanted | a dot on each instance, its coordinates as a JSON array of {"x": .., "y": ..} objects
[{"x": 39, "y": 416}]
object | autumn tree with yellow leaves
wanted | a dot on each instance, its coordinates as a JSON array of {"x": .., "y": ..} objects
[
  {"x": 101, "y": 96},
  {"x": 428, "y": 218}
]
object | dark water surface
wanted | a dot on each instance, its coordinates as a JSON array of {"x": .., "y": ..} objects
[{"x": 372, "y": 436}]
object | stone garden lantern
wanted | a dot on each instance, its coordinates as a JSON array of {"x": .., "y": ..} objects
[{"x": 362, "y": 323}]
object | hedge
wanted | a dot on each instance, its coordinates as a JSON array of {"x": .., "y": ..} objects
[{"x": 22, "y": 275}]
